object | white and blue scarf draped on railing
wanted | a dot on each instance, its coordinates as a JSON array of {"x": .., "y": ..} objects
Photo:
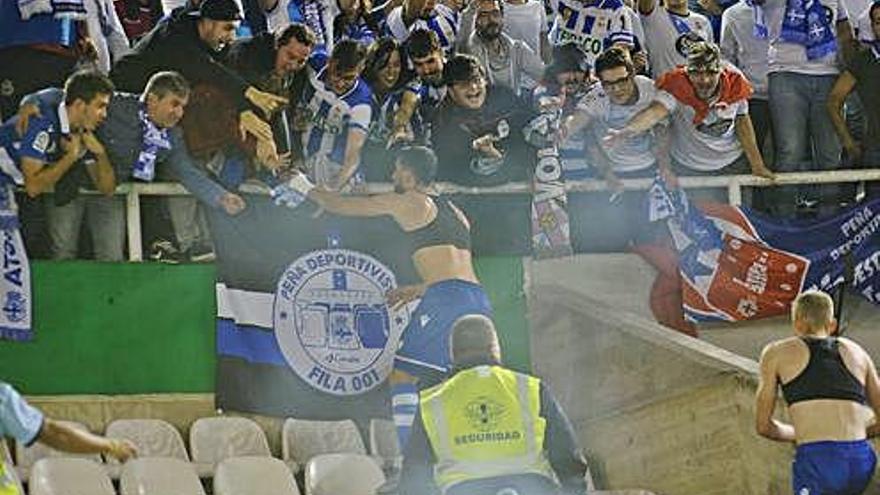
[
  {"x": 155, "y": 139},
  {"x": 807, "y": 23},
  {"x": 61, "y": 9},
  {"x": 15, "y": 283}
]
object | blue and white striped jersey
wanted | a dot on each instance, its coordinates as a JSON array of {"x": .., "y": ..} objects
[
  {"x": 383, "y": 121},
  {"x": 330, "y": 117},
  {"x": 593, "y": 24},
  {"x": 444, "y": 22}
]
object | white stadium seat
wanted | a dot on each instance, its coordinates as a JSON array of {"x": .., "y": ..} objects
[
  {"x": 152, "y": 437},
  {"x": 343, "y": 474},
  {"x": 69, "y": 476},
  {"x": 302, "y": 439},
  {"x": 254, "y": 476},
  {"x": 212, "y": 440},
  {"x": 159, "y": 476}
]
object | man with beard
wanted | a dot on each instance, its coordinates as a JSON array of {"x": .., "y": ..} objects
[
  {"x": 190, "y": 42},
  {"x": 477, "y": 129},
  {"x": 427, "y": 59},
  {"x": 424, "y": 14},
  {"x": 508, "y": 62},
  {"x": 442, "y": 256},
  {"x": 711, "y": 131}
]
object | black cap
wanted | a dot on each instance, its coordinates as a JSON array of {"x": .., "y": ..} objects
[{"x": 218, "y": 10}]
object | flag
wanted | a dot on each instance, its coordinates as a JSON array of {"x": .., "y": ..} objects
[
  {"x": 302, "y": 326},
  {"x": 737, "y": 264}
]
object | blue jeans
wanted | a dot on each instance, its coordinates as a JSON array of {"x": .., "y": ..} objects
[
  {"x": 105, "y": 218},
  {"x": 804, "y": 136}
]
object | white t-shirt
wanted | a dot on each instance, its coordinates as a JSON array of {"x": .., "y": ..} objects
[
  {"x": 638, "y": 30},
  {"x": 742, "y": 48},
  {"x": 317, "y": 14},
  {"x": 710, "y": 145},
  {"x": 589, "y": 25},
  {"x": 666, "y": 46},
  {"x": 636, "y": 152},
  {"x": 526, "y": 22},
  {"x": 444, "y": 22},
  {"x": 792, "y": 57}
]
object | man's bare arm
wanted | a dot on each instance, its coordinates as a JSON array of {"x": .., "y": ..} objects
[
  {"x": 765, "y": 401},
  {"x": 872, "y": 391},
  {"x": 356, "y": 206},
  {"x": 62, "y": 437},
  {"x": 353, "y": 146},
  {"x": 745, "y": 132}
]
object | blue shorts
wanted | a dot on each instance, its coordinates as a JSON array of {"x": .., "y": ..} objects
[
  {"x": 424, "y": 352},
  {"x": 833, "y": 468}
]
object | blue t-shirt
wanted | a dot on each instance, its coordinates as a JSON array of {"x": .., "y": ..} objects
[{"x": 18, "y": 419}]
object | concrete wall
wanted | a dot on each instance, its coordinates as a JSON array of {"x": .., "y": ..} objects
[
  {"x": 623, "y": 281},
  {"x": 653, "y": 408}
]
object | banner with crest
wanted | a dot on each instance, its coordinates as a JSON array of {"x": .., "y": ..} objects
[{"x": 303, "y": 328}]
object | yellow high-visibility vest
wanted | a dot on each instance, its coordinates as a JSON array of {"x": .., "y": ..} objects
[
  {"x": 485, "y": 422},
  {"x": 8, "y": 486}
]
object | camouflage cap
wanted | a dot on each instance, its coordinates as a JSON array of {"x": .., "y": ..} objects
[{"x": 704, "y": 57}]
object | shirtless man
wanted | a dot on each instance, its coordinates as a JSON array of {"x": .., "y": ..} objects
[
  {"x": 827, "y": 382},
  {"x": 440, "y": 234}
]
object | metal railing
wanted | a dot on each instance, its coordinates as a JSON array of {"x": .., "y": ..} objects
[{"x": 733, "y": 184}]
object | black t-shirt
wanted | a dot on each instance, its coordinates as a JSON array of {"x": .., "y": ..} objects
[
  {"x": 865, "y": 67},
  {"x": 455, "y": 128}
]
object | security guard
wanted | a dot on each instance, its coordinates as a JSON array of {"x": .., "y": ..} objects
[{"x": 488, "y": 430}]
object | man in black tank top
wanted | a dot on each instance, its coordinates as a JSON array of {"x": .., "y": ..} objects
[
  {"x": 440, "y": 239},
  {"x": 831, "y": 386}
]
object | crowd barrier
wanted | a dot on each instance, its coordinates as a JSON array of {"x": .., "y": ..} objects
[{"x": 734, "y": 185}]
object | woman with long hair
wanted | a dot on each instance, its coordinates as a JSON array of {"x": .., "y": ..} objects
[{"x": 388, "y": 78}]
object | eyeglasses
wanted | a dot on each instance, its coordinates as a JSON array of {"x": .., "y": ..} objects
[{"x": 617, "y": 83}]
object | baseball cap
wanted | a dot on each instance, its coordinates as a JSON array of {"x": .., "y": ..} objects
[{"x": 218, "y": 10}]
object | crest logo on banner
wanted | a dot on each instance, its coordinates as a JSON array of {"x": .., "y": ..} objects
[{"x": 332, "y": 323}]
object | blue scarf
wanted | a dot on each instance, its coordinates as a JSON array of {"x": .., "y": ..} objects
[
  {"x": 760, "y": 30},
  {"x": 155, "y": 139},
  {"x": 806, "y": 24}
]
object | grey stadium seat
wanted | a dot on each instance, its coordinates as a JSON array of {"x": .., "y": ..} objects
[
  {"x": 254, "y": 476},
  {"x": 212, "y": 440},
  {"x": 384, "y": 443},
  {"x": 28, "y": 456},
  {"x": 159, "y": 476},
  {"x": 343, "y": 474},
  {"x": 302, "y": 439},
  {"x": 152, "y": 437},
  {"x": 69, "y": 476}
]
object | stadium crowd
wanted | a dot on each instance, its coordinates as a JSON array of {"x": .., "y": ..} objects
[{"x": 218, "y": 93}]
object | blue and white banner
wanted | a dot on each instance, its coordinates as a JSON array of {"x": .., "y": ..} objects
[
  {"x": 15, "y": 285},
  {"x": 737, "y": 264},
  {"x": 303, "y": 328}
]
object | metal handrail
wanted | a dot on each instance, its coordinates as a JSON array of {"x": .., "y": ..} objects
[{"x": 733, "y": 184}]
